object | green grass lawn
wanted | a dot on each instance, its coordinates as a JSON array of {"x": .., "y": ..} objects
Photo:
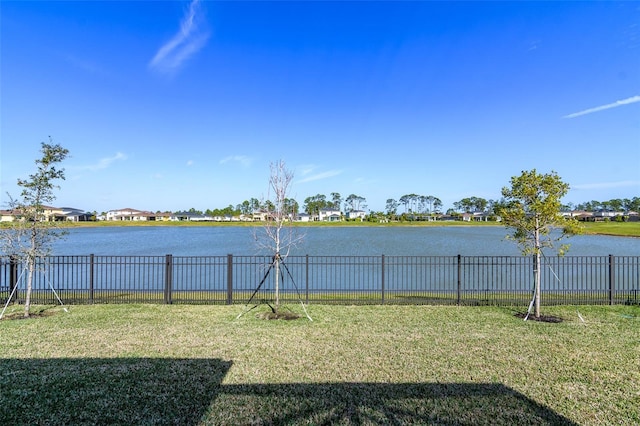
[
  {"x": 177, "y": 364},
  {"x": 622, "y": 229}
]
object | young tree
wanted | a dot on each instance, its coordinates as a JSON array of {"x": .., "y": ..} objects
[
  {"x": 531, "y": 208},
  {"x": 31, "y": 233},
  {"x": 278, "y": 237}
]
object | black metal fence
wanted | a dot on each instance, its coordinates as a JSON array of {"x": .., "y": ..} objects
[{"x": 450, "y": 280}]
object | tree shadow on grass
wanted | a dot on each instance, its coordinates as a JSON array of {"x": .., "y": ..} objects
[
  {"x": 100, "y": 391},
  {"x": 378, "y": 404}
]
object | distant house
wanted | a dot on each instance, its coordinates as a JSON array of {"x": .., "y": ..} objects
[
  {"x": 163, "y": 217},
  {"x": 606, "y": 215},
  {"x": 8, "y": 215},
  {"x": 475, "y": 217},
  {"x": 303, "y": 217},
  {"x": 356, "y": 214},
  {"x": 596, "y": 216},
  {"x": 583, "y": 216},
  {"x": 74, "y": 215},
  {"x": 576, "y": 214},
  {"x": 259, "y": 216},
  {"x": 231, "y": 218},
  {"x": 329, "y": 215},
  {"x": 190, "y": 216},
  {"x": 51, "y": 214},
  {"x": 129, "y": 214},
  {"x": 600, "y": 215},
  {"x": 200, "y": 218}
]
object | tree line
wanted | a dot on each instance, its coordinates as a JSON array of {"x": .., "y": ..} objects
[
  {"x": 408, "y": 205},
  {"x": 616, "y": 204}
]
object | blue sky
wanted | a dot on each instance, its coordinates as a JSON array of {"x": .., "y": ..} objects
[{"x": 173, "y": 105}]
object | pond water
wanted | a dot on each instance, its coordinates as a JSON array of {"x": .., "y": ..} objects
[{"x": 320, "y": 241}]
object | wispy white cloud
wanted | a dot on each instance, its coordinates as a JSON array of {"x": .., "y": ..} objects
[
  {"x": 188, "y": 40},
  {"x": 190, "y": 163},
  {"x": 306, "y": 169},
  {"x": 607, "y": 185},
  {"x": 534, "y": 45},
  {"x": 615, "y": 104},
  {"x": 242, "y": 159},
  {"x": 103, "y": 163},
  {"x": 320, "y": 176},
  {"x": 307, "y": 173}
]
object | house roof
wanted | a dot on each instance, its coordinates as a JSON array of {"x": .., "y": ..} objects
[{"x": 128, "y": 209}]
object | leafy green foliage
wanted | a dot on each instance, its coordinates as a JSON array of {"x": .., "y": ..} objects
[
  {"x": 31, "y": 235},
  {"x": 531, "y": 207}
]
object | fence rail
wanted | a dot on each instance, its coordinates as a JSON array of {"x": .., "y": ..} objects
[{"x": 450, "y": 280}]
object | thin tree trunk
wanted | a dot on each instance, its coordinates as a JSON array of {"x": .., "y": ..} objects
[
  {"x": 31, "y": 261},
  {"x": 537, "y": 284},
  {"x": 27, "y": 299},
  {"x": 537, "y": 270},
  {"x": 277, "y": 286}
]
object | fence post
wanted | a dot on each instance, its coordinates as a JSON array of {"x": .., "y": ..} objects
[
  {"x": 91, "y": 264},
  {"x": 459, "y": 279},
  {"x": 382, "y": 279},
  {"x": 307, "y": 279},
  {"x": 229, "y": 279},
  {"x": 13, "y": 276},
  {"x": 168, "y": 278},
  {"x": 612, "y": 279}
]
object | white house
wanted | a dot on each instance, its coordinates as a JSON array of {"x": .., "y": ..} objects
[
  {"x": 356, "y": 214},
  {"x": 7, "y": 215},
  {"x": 329, "y": 215},
  {"x": 475, "y": 217},
  {"x": 129, "y": 214},
  {"x": 259, "y": 216},
  {"x": 303, "y": 217},
  {"x": 190, "y": 217}
]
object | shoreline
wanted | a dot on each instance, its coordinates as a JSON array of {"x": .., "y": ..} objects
[{"x": 613, "y": 229}]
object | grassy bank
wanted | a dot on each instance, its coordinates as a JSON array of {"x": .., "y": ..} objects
[
  {"x": 164, "y": 364},
  {"x": 622, "y": 229}
]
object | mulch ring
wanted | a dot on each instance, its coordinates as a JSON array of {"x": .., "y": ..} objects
[
  {"x": 541, "y": 318},
  {"x": 19, "y": 315},
  {"x": 278, "y": 316}
]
